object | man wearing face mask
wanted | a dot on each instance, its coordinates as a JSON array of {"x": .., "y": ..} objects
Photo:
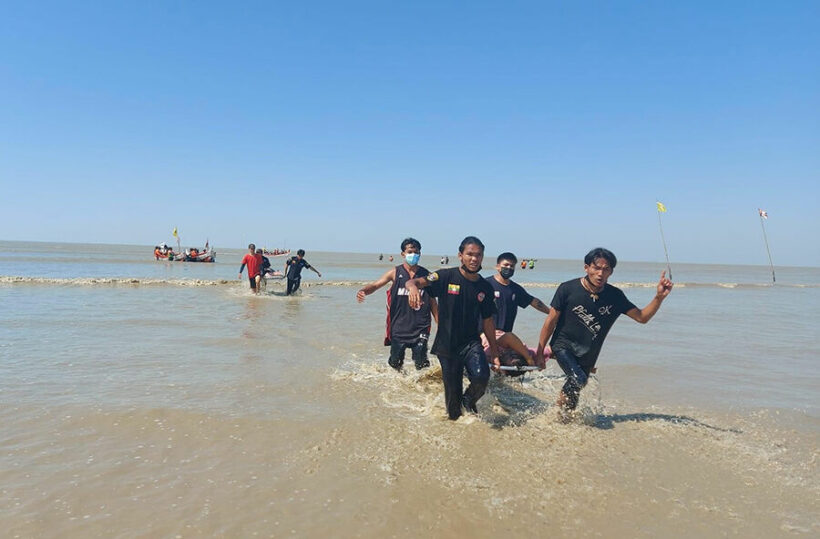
[
  {"x": 509, "y": 296},
  {"x": 466, "y": 300},
  {"x": 406, "y": 327}
]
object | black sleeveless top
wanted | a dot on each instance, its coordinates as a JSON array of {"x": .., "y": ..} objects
[{"x": 404, "y": 324}]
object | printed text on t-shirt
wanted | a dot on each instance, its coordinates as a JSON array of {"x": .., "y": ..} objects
[{"x": 589, "y": 319}]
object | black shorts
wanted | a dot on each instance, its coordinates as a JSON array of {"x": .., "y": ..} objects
[
  {"x": 418, "y": 350},
  {"x": 252, "y": 281}
]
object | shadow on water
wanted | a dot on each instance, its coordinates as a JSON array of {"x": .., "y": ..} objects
[
  {"x": 606, "y": 422},
  {"x": 519, "y": 407}
]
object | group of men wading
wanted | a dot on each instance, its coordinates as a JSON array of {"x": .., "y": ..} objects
[{"x": 475, "y": 318}]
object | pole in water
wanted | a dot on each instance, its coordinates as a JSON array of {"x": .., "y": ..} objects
[
  {"x": 764, "y": 215},
  {"x": 662, "y": 209}
]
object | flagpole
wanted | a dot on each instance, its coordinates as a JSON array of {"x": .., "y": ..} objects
[
  {"x": 665, "y": 251},
  {"x": 766, "y": 241}
]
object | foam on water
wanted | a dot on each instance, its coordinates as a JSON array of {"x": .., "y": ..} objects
[{"x": 135, "y": 281}]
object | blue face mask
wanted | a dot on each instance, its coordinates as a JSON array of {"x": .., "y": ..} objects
[{"x": 412, "y": 258}]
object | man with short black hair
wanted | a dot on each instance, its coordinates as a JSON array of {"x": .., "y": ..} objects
[
  {"x": 264, "y": 268},
  {"x": 254, "y": 263},
  {"x": 293, "y": 271},
  {"x": 406, "y": 327},
  {"x": 509, "y": 296},
  {"x": 583, "y": 311},
  {"x": 465, "y": 302}
]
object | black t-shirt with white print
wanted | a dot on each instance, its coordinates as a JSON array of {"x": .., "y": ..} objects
[
  {"x": 462, "y": 304},
  {"x": 585, "y": 321}
]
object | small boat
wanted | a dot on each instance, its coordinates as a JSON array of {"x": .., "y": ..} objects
[
  {"x": 195, "y": 255},
  {"x": 276, "y": 252}
]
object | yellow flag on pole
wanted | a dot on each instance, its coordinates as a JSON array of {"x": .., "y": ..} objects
[
  {"x": 661, "y": 207},
  {"x": 176, "y": 236}
]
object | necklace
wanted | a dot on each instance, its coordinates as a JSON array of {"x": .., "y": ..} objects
[{"x": 588, "y": 287}]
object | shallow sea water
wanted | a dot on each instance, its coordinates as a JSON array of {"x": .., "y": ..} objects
[{"x": 143, "y": 398}]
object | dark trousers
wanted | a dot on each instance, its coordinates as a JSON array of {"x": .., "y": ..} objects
[
  {"x": 577, "y": 375},
  {"x": 418, "y": 349},
  {"x": 293, "y": 285},
  {"x": 471, "y": 359}
]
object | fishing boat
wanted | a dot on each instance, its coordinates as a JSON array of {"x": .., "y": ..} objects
[
  {"x": 192, "y": 254},
  {"x": 276, "y": 252},
  {"x": 195, "y": 255}
]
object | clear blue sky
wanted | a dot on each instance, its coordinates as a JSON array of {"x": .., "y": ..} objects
[{"x": 543, "y": 128}]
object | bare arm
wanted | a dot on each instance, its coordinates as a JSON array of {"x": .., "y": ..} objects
[
  {"x": 540, "y": 305},
  {"x": 546, "y": 332},
  {"x": 369, "y": 288},
  {"x": 645, "y": 315},
  {"x": 314, "y": 270},
  {"x": 489, "y": 332}
]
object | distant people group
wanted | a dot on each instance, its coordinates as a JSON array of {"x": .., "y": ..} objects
[
  {"x": 163, "y": 251},
  {"x": 190, "y": 254},
  {"x": 275, "y": 252},
  {"x": 259, "y": 265},
  {"x": 475, "y": 318}
]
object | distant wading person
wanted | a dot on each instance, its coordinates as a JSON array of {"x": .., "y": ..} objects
[
  {"x": 583, "y": 311},
  {"x": 406, "y": 327},
  {"x": 465, "y": 302},
  {"x": 264, "y": 267},
  {"x": 293, "y": 271},
  {"x": 254, "y": 263}
]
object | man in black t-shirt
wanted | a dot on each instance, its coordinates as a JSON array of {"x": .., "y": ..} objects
[
  {"x": 293, "y": 271},
  {"x": 263, "y": 269},
  {"x": 509, "y": 296},
  {"x": 406, "y": 327},
  {"x": 465, "y": 301},
  {"x": 583, "y": 311}
]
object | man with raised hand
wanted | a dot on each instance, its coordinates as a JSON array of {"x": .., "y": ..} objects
[{"x": 583, "y": 311}]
